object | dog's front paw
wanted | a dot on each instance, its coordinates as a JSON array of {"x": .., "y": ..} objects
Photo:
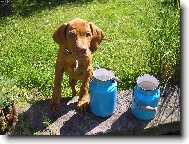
[
  {"x": 54, "y": 105},
  {"x": 82, "y": 105}
]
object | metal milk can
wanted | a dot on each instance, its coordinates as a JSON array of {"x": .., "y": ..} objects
[
  {"x": 146, "y": 95},
  {"x": 103, "y": 93}
]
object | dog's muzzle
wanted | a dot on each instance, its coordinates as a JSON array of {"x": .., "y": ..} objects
[{"x": 81, "y": 51}]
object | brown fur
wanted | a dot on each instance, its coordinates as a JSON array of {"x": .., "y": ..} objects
[{"x": 76, "y": 39}]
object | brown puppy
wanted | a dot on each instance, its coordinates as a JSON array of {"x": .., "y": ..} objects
[{"x": 76, "y": 39}]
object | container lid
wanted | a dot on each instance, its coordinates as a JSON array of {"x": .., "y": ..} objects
[
  {"x": 103, "y": 74},
  {"x": 147, "y": 82}
]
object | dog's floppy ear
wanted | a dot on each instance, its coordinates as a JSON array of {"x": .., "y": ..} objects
[
  {"x": 60, "y": 34},
  {"x": 97, "y": 37}
]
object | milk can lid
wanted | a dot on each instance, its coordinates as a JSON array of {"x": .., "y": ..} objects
[
  {"x": 147, "y": 82},
  {"x": 103, "y": 74}
]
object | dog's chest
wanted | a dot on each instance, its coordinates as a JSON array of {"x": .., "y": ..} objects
[{"x": 74, "y": 69}]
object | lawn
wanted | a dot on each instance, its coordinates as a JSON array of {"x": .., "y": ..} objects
[{"x": 143, "y": 37}]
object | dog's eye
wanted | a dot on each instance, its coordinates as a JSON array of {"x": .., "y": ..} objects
[
  {"x": 72, "y": 35},
  {"x": 88, "y": 34}
]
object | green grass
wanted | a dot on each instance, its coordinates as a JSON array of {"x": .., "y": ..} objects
[{"x": 144, "y": 37}]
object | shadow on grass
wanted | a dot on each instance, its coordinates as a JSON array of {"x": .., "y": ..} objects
[{"x": 25, "y": 8}]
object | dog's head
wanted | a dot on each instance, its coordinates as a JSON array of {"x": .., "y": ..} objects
[{"x": 79, "y": 37}]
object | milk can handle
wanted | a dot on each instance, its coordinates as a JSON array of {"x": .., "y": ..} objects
[
  {"x": 148, "y": 108},
  {"x": 117, "y": 79}
]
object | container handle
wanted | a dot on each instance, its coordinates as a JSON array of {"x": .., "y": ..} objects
[
  {"x": 148, "y": 108},
  {"x": 117, "y": 79}
]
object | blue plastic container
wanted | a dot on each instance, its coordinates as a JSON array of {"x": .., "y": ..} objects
[
  {"x": 103, "y": 96},
  {"x": 146, "y": 95}
]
